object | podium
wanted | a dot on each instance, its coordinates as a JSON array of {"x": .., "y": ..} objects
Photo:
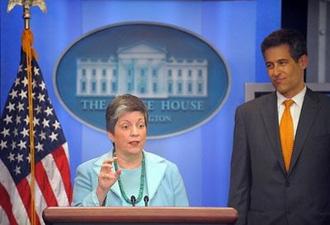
[{"x": 139, "y": 215}]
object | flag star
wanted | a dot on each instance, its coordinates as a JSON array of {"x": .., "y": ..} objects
[
  {"x": 34, "y": 85},
  {"x": 5, "y": 132},
  {"x": 8, "y": 119},
  {"x": 45, "y": 123},
  {"x": 11, "y": 157},
  {"x": 42, "y": 135},
  {"x": 35, "y": 121},
  {"x": 17, "y": 170},
  {"x": 53, "y": 136},
  {"x": 3, "y": 144},
  {"x": 17, "y": 82},
  {"x": 13, "y": 145},
  {"x": 22, "y": 144},
  {"x": 36, "y": 71},
  {"x": 41, "y": 97},
  {"x": 39, "y": 147},
  {"x": 25, "y": 132},
  {"x": 48, "y": 111},
  {"x": 20, "y": 106},
  {"x": 56, "y": 125},
  {"x": 42, "y": 85},
  {"x": 38, "y": 109},
  {"x": 20, "y": 68},
  {"x": 10, "y": 107},
  {"x": 13, "y": 93},
  {"x": 15, "y": 132},
  {"x": 25, "y": 81},
  {"x": 23, "y": 94},
  {"x": 26, "y": 120},
  {"x": 18, "y": 119},
  {"x": 19, "y": 158},
  {"x": 28, "y": 68}
]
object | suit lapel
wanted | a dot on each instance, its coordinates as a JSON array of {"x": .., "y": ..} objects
[
  {"x": 269, "y": 114},
  {"x": 307, "y": 117},
  {"x": 155, "y": 170}
]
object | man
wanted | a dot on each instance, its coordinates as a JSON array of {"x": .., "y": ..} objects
[{"x": 280, "y": 170}]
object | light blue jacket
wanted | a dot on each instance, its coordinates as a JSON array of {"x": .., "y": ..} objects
[{"x": 164, "y": 183}]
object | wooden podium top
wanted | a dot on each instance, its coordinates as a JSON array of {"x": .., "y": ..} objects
[{"x": 193, "y": 215}]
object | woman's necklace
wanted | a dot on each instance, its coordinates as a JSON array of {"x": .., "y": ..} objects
[{"x": 141, "y": 189}]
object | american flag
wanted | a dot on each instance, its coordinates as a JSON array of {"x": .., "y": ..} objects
[{"x": 52, "y": 171}]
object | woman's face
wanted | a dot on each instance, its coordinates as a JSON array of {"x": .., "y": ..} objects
[{"x": 130, "y": 133}]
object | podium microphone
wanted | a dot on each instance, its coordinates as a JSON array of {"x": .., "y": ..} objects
[
  {"x": 133, "y": 200},
  {"x": 146, "y": 200}
]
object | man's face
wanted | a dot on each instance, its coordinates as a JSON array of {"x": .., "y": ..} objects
[{"x": 286, "y": 74}]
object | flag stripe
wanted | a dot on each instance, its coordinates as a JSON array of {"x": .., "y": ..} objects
[
  {"x": 15, "y": 201},
  {"x": 3, "y": 217},
  {"x": 7, "y": 206},
  {"x": 41, "y": 202},
  {"x": 43, "y": 182},
  {"x": 62, "y": 162},
  {"x": 24, "y": 190},
  {"x": 56, "y": 182}
]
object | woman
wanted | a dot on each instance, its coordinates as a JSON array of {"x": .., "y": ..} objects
[{"x": 128, "y": 175}]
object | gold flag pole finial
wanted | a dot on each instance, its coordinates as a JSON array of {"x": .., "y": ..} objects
[{"x": 26, "y": 8}]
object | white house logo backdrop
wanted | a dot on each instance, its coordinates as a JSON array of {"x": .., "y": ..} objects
[{"x": 180, "y": 77}]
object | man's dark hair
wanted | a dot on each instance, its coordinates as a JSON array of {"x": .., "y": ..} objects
[{"x": 293, "y": 38}]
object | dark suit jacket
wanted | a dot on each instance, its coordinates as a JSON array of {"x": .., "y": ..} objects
[{"x": 260, "y": 188}]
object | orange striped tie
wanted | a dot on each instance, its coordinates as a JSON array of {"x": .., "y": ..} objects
[{"x": 287, "y": 133}]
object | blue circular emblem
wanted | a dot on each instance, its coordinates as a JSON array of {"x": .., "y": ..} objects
[{"x": 181, "y": 78}]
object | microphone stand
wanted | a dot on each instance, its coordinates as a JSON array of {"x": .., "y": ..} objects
[
  {"x": 133, "y": 200},
  {"x": 146, "y": 200}
]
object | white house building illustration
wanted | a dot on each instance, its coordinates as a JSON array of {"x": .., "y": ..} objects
[{"x": 142, "y": 70}]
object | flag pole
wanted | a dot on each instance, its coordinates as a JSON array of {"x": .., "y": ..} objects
[
  {"x": 27, "y": 41},
  {"x": 27, "y": 47}
]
